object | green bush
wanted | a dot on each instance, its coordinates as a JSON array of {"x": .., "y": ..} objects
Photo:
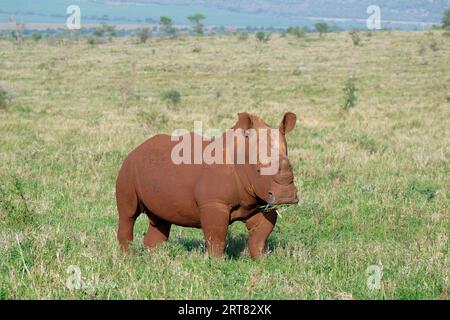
[
  {"x": 172, "y": 96},
  {"x": 90, "y": 40},
  {"x": 14, "y": 204},
  {"x": 355, "y": 37},
  {"x": 105, "y": 30},
  {"x": 446, "y": 20},
  {"x": 297, "y": 72},
  {"x": 4, "y": 98},
  {"x": 350, "y": 98},
  {"x": 261, "y": 36},
  {"x": 36, "y": 37},
  {"x": 297, "y": 31},
  {"x": 143, "y": 34}
]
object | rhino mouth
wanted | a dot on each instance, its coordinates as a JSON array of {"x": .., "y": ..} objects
[{"x": 273, "y": 199}]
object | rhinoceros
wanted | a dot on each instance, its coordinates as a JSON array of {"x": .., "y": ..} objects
[{"x": 206, "y": 195}]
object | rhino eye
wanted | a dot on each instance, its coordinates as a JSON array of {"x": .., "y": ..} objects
[{"x": 258, "y": 170}]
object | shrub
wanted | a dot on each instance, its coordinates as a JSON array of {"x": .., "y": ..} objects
[
  {"x": 243, "y": 36},
  {"x": 166, "y": 26},
  {"x": 105, "y": 30},
  {"x": 196, "y": 50},
  {"x": 261, "y": 36},
  {"x": 297, "y": 72},
  {"x": 153, "y": 119},
  {"x": 14, "y": 202},
  {"x": 172, "y": 96},
  {"x": 423, "y": 188},
  {"x": 434, "y": 45},
  {"x": 143, "y": 34},
  {"x": 36, "y": 37},
  {"x": 446, "y": 20},
  {"x": 4, "y": 98},
  {"x": 355, "y": 37},
  {"x": 297, "y": 31},
  {"x": 95, "y": 40},
  {"x": 350, "y": 97}
]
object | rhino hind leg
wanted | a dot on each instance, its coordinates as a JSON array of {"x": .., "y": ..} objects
[
  {"x": 259, "y": 227},
  {"x": 158, "y": 232},
  {"x": 127, "y": 205}
]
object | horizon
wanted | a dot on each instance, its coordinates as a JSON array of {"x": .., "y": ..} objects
[{"x": 51, "y": 14}]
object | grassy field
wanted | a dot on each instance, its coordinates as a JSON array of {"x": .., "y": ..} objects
[{"x": 374, "y": 181}]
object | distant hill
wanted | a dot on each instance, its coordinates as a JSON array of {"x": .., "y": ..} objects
[{"x": 408, "y": 10}]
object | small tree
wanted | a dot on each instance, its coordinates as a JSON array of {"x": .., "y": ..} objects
[
  {"x": 350, "y": 97},
  {"x": 355, "y": 37},
  {"x": 297, "y": 31},
  {"x": 166, "y": 25},
  {"x": 322, "y": 28},
  {"x": 105, "y": 30},
  {"x": 446, "y": 19},
  {"x": 196, "y": 20},
  {"x": 143, "y": 34},
  {"x": 262, "y": 37},
  {"x": 36, "y": 37},
  {"x": 19, "y": 32}
]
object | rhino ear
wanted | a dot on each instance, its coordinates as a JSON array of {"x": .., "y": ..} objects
[
  {"x": 288, "y": 122},
  {"x": 245, "y": 121}
]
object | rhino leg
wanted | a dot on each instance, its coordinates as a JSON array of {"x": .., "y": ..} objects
[
  {"x": 259, "y": 227},
  {"x": 157, "y": 233},
  {"x": 127, "y": 205},
  {"x": 214, "y": 219}
]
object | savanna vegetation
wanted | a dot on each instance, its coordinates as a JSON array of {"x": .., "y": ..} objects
[{"x": 371, "y": 159}]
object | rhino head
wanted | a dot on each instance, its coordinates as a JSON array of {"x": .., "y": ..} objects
[{"x": 273, "y": 182}]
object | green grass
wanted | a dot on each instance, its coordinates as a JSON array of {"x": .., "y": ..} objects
[{"x": 374, "y": 181}]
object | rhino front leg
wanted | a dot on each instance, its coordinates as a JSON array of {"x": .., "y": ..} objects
[
  {"x": 214, "y": 219},
  {"x": 259, "y": 227}
]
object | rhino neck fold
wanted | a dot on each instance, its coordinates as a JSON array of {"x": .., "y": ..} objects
[{"x": 246, "y": 189}]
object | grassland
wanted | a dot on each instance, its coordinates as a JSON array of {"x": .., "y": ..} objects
[{"x": 374, "y": 181}]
